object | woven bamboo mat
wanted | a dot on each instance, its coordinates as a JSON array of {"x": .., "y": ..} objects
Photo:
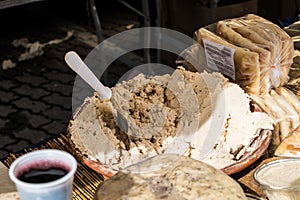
[{"x": 86, "y": 180}]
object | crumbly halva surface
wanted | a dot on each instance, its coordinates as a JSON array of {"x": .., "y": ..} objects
[
  {"x": 142, "y": 104},
  {"x": 199, "y": 115}
]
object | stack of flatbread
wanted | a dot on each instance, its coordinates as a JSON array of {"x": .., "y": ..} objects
[
  {"x": 290, "y": 146},
  {"x": 263, "y": 52},
  {"x": 284, "y": 107}
]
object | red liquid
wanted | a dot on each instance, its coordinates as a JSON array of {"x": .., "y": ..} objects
[
  {"x": 43, "y": 171},
  {"x": 42, "y": 175}
]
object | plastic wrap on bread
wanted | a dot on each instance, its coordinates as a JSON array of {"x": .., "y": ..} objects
[
  {"x": 262, "y": 51},
  {"x": 246, "y": 62}
]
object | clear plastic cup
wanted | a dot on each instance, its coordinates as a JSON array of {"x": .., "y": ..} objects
[
  {"x": 59, "y": 189},
  {"x": 280, "y": 179}
]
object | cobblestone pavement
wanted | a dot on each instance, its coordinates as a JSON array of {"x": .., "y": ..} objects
[{"x": 35, "y": 95}]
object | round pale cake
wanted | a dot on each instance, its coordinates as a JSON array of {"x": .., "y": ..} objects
[{"x": 170, "y": 176}]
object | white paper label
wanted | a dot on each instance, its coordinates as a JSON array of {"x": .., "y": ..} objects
[{"x": 220, "y": 58}]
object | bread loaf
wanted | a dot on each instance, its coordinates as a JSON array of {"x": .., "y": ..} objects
[
  {"x": 246, "y": 62},
  {"x": 227, "y": 31},
  {"x": 254, "y": 34},
  {"x": 286, "y": 47}
]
